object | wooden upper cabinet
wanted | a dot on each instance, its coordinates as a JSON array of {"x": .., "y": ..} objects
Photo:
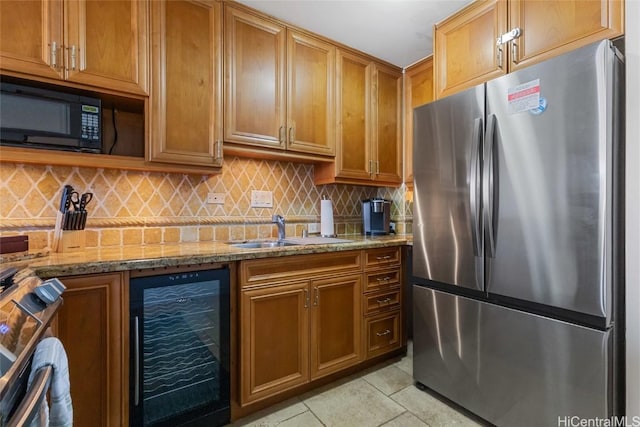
[
  {"x": 101, "y": 44},
  {"x": 418, "y": 90},
  {"x": 387, "y": 124},
  {"x": 255, "y": 71},
  {"x": 106, "y": 44},
  {"x": 279, "y": 87},
  {"x": 465, "y": 52},
  {"x": 550, "y": 28},
  {"x": 31, "y": 39},
  {"x": 353, "y": 106},
  {"x": 186, "y": 93},
  {"x": 310, "y": 97},
  {"x": 368, "y": 124}
]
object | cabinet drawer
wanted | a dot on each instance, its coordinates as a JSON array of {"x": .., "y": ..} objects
[
  {"x": 381, "y": 301},
  {"x": 383, "y": 333},
  {"x": 382, "y": 279},
  {"x": 267, "y": 270},
  {"x": 382, "y": 257}
]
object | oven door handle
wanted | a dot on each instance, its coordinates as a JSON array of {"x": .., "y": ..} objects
[{"x": 30, "y": 405}]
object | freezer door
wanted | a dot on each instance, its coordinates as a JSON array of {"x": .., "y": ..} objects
[
  {"x": 447, "y": 236},
  {"x": 510, "y": 367},
  {"x": 548, "y": 187}
]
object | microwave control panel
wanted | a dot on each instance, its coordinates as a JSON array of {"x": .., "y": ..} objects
[{"x": 90, "y": 123}]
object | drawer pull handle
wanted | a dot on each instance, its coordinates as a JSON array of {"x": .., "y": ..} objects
[
  {"x": 381, "y": 334},
  {"x": 383, "y": 258},
  {"x": 384, "y": 301},
  {"x": 383, "y": 279}
]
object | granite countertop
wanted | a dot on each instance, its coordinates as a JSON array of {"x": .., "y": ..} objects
[{"x": 122, "y": 258}]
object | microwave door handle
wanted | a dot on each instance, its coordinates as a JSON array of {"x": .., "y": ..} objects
[{"x": 30, "y": 405}]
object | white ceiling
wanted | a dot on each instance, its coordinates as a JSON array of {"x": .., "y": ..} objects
[{"x": 398, "y": 31}]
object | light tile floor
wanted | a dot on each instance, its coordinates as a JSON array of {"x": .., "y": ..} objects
[{"x": 384, "y": 395}]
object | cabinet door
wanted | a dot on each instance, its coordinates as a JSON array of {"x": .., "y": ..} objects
[
  {"x": 550, "y": 28},
  {"x": 255, "y": 111},
  {"x": 31, "y": 37},
  {"x": 310, "y": 97},
  {"x": 418, "y": 90},
  {"x": 335, "y": 324},
  {"x": 465, "y": 52},
  {"x": 106, "y": 44},
  {"x": 186, "y": 115},
  {"x": 92, "y": 327},
  {"x": 353, "y": 155},
  {"x": 387, "y": 131},
  {"x": 274, "y": 349}
]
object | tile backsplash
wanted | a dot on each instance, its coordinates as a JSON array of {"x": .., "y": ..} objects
[{"x": 142, "y": 207}]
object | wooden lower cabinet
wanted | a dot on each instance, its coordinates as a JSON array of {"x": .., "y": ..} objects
[
  {"x": 382, "y": 296},
  {"x": 335, "y": 324},
  {"x": 275, "y": 339},
  {"x": 296, "y": 330},
  {"x": 92, "y": 327}
]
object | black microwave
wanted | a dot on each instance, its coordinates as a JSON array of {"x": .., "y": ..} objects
[{"x": 41, "y": 118}]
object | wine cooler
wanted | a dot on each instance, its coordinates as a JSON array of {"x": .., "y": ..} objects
[{"x": 179, "y": 373}]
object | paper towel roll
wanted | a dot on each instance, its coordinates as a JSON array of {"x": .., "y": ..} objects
[{"x": 326, "y": 218}]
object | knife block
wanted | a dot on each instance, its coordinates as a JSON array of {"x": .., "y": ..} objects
[{"x": 72, "y": 241}]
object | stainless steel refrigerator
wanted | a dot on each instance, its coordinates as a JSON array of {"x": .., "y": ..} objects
[{"x": 517, "y": 287}]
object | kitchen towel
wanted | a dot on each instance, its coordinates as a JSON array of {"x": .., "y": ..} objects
[
  {"x": 326, "y": 218},
  {"x": 50, "y": 352}
]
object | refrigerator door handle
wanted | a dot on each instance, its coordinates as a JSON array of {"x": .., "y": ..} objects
[
  {"x": 475, "y": 189},
  {"x": 489, "y": 184}
]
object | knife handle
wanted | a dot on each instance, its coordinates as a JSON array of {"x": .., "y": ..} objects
[{"x": 65, "y": 200}]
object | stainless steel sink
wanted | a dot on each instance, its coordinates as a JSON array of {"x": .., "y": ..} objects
[{"x": 263, "y": 244}]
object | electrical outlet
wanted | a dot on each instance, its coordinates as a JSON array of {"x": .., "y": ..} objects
[
  {"x": 314, "y": 227},
  {"x": 261, "y": 199},
  {"x": 215, "y": 198}
]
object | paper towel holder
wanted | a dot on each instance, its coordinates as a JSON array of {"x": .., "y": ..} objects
[{"x": 326, "y": 218}]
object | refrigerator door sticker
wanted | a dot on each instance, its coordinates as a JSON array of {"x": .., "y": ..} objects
[{"x": 524, "y": 97}]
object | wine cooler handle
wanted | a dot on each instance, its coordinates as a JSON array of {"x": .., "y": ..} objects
[{"x": 136, "y": 390}]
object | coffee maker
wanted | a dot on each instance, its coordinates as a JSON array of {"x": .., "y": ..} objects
[{"x": 376, "y": 216}]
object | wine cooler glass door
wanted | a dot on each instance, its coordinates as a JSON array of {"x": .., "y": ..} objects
[{"x": 180, "y": 348}]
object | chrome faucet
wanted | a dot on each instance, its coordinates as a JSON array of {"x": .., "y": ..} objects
[{"x": 279, "y": 220}]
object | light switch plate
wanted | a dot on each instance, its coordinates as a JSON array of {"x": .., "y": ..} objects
[
  {"x": 314, "y": 227},
  {"x": 261, "y": 199}
]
